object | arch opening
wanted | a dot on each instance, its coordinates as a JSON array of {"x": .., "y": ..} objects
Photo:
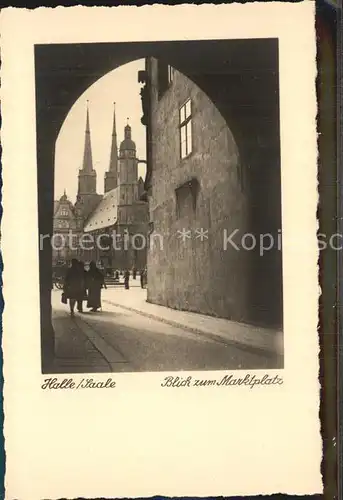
[{"x": 230, "y": 152}]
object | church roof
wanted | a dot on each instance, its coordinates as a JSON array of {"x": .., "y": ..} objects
[
  {"x": 127, "y": 144},
  {"x": 63, "y": 201},
  {"x": 105, "y": 214}
]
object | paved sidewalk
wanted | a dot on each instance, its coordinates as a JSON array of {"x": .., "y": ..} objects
[
  {"x": 229, "y": 332},
  {"x": 74, "y": 352}
]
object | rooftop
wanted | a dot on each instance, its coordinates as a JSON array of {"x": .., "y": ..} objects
[{"x": 105, "y": 214}]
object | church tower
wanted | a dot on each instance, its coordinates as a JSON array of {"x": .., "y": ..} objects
[
  {"x": 87, "y": 175},
  {"x": 128, "y": 170},
  {"x": 87, "y": 197},
  {"x": 111, "y": 176}
]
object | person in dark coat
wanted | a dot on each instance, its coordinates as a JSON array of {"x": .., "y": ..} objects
[
  {"x": 134, "y": 273},
  {"x": 74, "y": 285},
  {"x": 126, "y": 279},
  {"x": 95, "y": 282},
  {"x": 142, "y": 278},
  {"x": 84, "y": 274}
]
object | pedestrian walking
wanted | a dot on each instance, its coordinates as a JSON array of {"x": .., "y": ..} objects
[
  {"x": 134, "y": 273},
  {"x": 142, "y": 278},
  {"x": 74, "y": 285},
  {"x": 126, "y": 279},
  {"x": 83, "y": 273},
  {"x": 95, "y": 282}
]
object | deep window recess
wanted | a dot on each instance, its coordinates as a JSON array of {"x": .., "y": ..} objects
[
  {"x": 170, "y": 74},
  {"x": 186, "y": 198},
  {"x": 165, "y": 77}
]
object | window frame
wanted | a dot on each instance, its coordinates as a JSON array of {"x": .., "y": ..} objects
[
  {"x": 64, "y": 212},
  {"x": 185, "y": 123}
]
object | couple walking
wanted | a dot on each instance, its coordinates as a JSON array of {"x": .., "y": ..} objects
[{"x": 80, "y": 285}]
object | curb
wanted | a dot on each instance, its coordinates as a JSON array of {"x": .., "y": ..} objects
[
  {"x": 111, "y": 355},
  {"x": 270, "y": 352}
]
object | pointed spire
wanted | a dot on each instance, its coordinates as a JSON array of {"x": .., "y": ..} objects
[
  {"x": 114, "y": 148},
  {"x": 87, "y": 155},
  {"x": 87, "y": 175},
  {"x": 111, "y": 176}
]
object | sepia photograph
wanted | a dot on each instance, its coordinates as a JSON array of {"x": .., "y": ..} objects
[
  {"x": 160, "y": 249},
  {"x": 159, "y": 199}
]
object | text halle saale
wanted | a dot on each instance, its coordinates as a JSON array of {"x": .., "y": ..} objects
[{"x": 85, "y": 383}]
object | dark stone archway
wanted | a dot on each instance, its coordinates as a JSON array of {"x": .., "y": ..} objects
[{"x": 239, "y": 76}]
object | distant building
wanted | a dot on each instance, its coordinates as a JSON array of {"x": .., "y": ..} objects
[
  {"x": 112, "y": 227},
  {"x": 196, "y": 197},
  {"x": 65, "y": 223}
]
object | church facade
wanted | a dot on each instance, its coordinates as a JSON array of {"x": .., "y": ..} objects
[{"x": 110, "y": 229}]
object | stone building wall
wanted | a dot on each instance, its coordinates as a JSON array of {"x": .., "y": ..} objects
[{"x": 196, "y": 275}]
